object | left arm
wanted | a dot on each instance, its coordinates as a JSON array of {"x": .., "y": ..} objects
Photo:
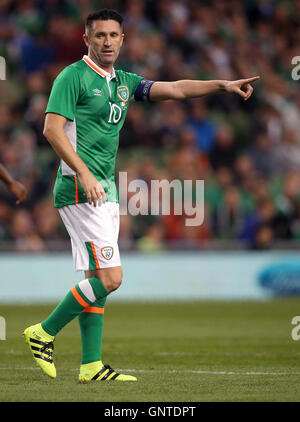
[
  {"x": 181, "y": 90},
  {"x": 16, "y": 188}
]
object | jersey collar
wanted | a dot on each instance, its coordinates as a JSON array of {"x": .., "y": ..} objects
[{"x": 97, "y": 68}]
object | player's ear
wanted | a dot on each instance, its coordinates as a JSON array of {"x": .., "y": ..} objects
[{"x": 85, "y": 39}]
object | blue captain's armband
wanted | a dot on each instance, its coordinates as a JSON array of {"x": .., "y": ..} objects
[{"x": 143, "y": 90}]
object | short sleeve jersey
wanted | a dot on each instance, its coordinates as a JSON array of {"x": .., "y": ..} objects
[{"x": 95, "y": 104}]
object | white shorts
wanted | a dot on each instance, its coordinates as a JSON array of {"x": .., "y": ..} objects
[{"x": 94, "y": 234}]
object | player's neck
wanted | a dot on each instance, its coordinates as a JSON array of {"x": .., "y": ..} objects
[{"x": 107, "y": 68}]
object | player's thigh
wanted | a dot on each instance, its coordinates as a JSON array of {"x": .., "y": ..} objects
[
  {"x": 93, "y": 234},
  {"x": 110, "y": 277}
]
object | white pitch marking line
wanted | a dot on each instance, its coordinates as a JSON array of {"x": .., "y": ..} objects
[
  {"x": 191, "y": 371},
  {"x": 174, "y": 371},
  {"x": 19, "y": 369}
]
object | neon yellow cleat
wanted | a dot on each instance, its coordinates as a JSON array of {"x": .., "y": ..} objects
[
  {"x": 96, "y": 371},
  {"x": 41, "y": 346}
]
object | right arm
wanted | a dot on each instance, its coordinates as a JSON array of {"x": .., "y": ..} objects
[{"x": 56, "y": 136}]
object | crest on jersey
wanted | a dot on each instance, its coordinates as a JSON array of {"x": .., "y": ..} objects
[
  {"x": 107, "y": 252},
  {"x": 123, "y": 93}
]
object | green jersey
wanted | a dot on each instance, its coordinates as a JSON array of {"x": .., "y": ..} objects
[{"x": 95, "y": 104}]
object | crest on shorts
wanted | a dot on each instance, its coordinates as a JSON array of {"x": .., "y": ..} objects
[
  {"x": 123, "y": 93},
  {"x": 107, "y": 252}
]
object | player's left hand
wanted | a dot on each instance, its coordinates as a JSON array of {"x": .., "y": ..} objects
[
  {"x": 19, "y": 190},
  {"x": 241, "y": 87}
]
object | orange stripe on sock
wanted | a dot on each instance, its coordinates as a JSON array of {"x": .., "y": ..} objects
[
  {"x": 95, "y": 256},
  {"x": 76, "y": 188},
  {"x": 94, "y": 310},
  {"x": 79, "y": 298}
]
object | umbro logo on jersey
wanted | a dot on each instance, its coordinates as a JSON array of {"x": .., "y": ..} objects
[{"x": 97, "y": 92}]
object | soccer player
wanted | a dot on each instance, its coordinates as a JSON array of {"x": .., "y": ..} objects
[
  {"x": 85, "y": 113},
  {"x": 15, "y": 187}
]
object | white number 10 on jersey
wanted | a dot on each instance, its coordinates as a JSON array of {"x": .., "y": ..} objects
[{"x": 115, "y": 113}]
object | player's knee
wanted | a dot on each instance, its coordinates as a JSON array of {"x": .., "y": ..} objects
[
  {"x": 115, "y": 283},
  {"x": 112, "y": 280}
]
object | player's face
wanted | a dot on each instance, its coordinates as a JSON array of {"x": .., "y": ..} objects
[{"x": 104, "y": 42}]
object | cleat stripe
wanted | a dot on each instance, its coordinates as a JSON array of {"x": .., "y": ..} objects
[
  {"x": 104, "y": 369},
  {"x": 33, "y": 340},
  {"x": 38, "y": 349},
  {"x": 112, "y": 376},
  {"x": 42, "y": 357},
  {"x": 104, "y": 373},
  {"x": 110, "y": 372}
]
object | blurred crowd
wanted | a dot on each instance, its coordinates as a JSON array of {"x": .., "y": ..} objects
[{"x": 247, "y": 153}]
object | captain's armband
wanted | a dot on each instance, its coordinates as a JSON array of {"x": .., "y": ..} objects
[{"x": 143, "y": 90}]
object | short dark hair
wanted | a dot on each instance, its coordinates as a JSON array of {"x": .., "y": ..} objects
[{"x": 103, "y": 15}]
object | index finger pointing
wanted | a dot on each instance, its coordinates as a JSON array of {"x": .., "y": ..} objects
[{"x": 255, "y": 78}]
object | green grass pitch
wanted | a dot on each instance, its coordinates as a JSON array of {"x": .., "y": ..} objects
[{"x": 197, "y": 351}]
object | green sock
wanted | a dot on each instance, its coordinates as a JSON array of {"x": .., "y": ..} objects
[
  {"x": 73, "y": 304},
  {"x": 91, "y": 328}
]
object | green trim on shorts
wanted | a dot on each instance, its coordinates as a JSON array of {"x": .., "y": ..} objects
[{"x": 93, "y": 260}]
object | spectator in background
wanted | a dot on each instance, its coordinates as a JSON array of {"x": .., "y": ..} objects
[
  {"x": 35, "y": 116},
  {"x": 201, "y": 123},
  {"x": 36, "y": 53},
  {"x": 264, "y": 237},
  {"x": 170, "y": 119},
  {"x": 153, "y": 239},
  {"x": 136, "y": 128},
  {"x": 47, "y": 220},
  {"x": 263, "y": 155},
  {"x": 7, "y": 25},
  {"x": 243, "y": 168},
  {"x": 228, "y": 216},
  {"x": 288, "y": 198},
  {"x": 24, "y": 233},
  {"x": 126, "y": 240},
  {"x": 288, "y": 152},
  {"x": 66, "y": 36},
  {"x": 223, "y": 153},
  {"x": 266, "y": 214},
  {"x": 28, "y": 17}
]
